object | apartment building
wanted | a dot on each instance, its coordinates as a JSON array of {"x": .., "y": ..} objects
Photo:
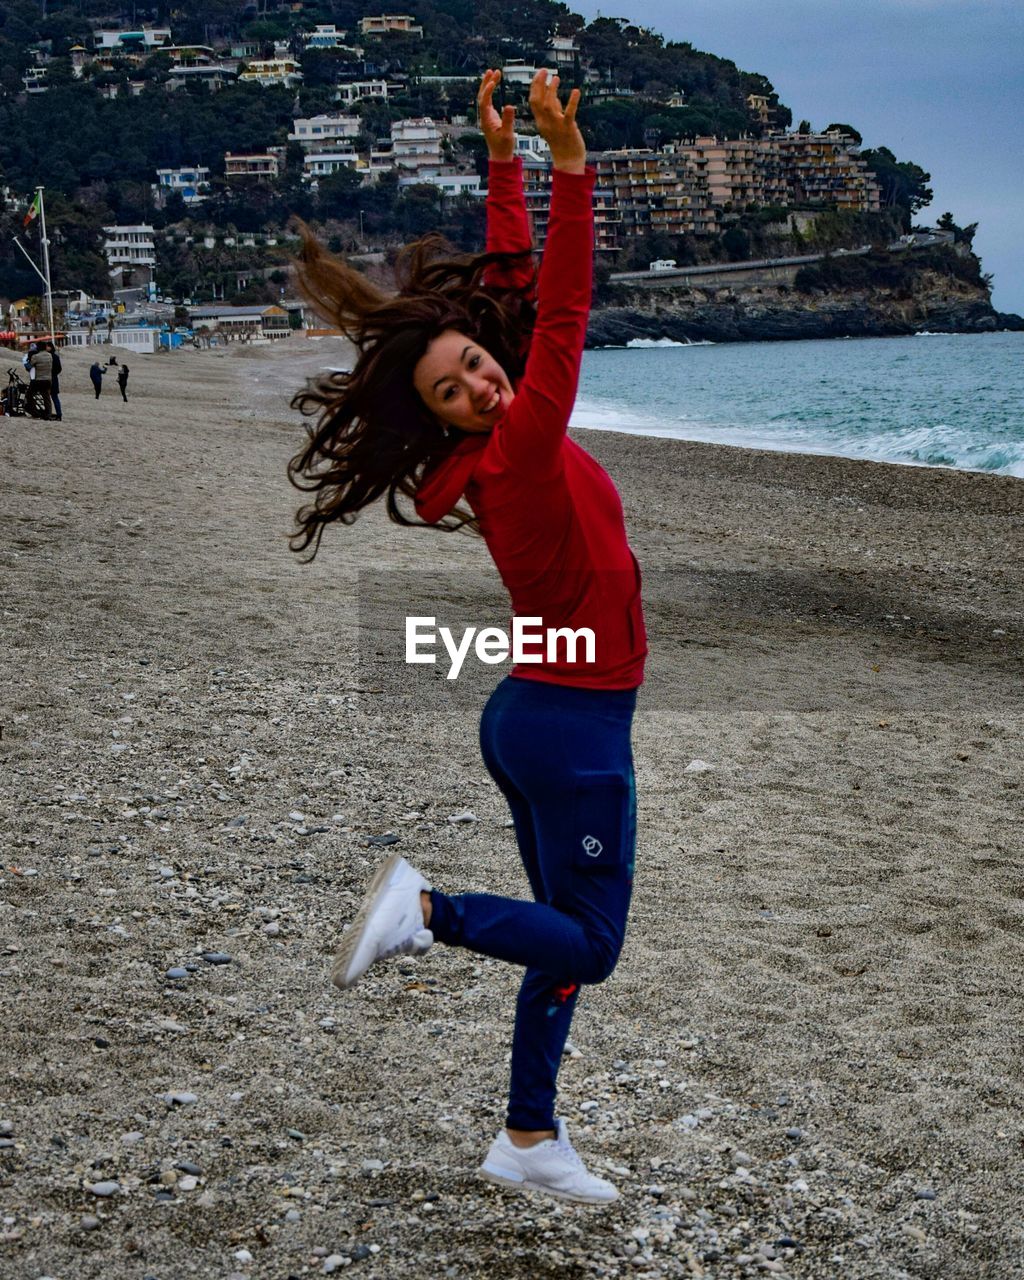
[
  {"x": 130, "y": 252},
  {"x": 356, "y": 89},
  {"x": 378, "y": 26},
  {"x": 416, "y": 145},
  {"x": 192, "y": 184},
  {"x": 324, "y": 36},
  {"x": 264, "y": 164},
  {"x": 320, "y": 164},
  {"x": 272, "y": 71},
  {"x": 136, "y": 39},
  {"x": 826, "y": 168},
  {"x": 324, "y": 132}
]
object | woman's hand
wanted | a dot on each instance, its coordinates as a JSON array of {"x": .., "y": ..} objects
[
  {"x": 558, "y": 128},
  {"x": 498, "y": 130}
]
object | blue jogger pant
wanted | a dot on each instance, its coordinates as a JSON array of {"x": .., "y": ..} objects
[{"x": 563, "y": 758}]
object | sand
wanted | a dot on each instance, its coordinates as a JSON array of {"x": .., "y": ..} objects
[{"x": 808, "y": 1060}]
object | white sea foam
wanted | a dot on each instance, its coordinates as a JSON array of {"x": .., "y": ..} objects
[{"x": 649, "y": 344}]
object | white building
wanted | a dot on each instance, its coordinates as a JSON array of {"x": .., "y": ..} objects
[
  {"x": 325, "y": 36},
  {"x": 130, "y": 252},
  {"x": 273, "y": 71},
  {"x": 416, "y": 145},
  {"x": 320, "y": 164},
  {"x": 350, "y": 93},
  {"x": 563, "y": 50},
  {"x": 515, "y": 71},
  {"x": 137, "y": 38},
  {"x": 192, "y": 185},
  {"x": 451, "y": 184},
  {"x": 532, "y": 144},
  {"x": 324, "y": 132}
]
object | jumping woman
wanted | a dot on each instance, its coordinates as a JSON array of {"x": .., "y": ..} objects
[{"x": 463, "y": 387}]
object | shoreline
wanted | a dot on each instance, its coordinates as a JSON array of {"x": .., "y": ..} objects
[{"x": 807, "y": 1054}]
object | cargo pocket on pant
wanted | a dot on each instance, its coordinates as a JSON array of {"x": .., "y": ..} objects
[{"x": 601, "y": 825}]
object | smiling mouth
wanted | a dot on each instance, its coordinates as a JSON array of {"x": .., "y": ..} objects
[{"x": 495, "y": 401}]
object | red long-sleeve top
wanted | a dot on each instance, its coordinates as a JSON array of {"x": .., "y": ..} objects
[{"x": 549, "y": 512}]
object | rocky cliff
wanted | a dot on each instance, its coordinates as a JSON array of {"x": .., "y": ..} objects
[{"x": 765, "y": 313}]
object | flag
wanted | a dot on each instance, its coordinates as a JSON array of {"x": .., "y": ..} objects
[{"x": 33, "y": 209}]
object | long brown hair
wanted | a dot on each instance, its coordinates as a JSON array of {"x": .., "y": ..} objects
[{"x": 373, "y": 435}]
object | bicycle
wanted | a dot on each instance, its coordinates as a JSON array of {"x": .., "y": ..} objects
[{"x": 15, "y": 396}]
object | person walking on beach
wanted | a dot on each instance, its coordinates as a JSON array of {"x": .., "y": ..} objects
[
  {"x": 96, "y": 373},
  {"x": 463, "y": 386},
  {"x": 55, "y": 381},
  {"x": 122, "y": 382}
]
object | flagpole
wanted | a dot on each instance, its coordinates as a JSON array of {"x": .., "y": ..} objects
[{"x": 46, "y": 264}]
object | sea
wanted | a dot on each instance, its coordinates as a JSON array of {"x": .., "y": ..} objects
[{"x": 929, "y": 399}]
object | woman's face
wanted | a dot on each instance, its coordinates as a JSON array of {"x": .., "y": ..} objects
[{"x": 461, "y": 384}]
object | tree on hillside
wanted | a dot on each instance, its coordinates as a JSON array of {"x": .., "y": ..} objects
[
  {"x": 904, "y": 184},
  {"x": 846, "y": 128}
]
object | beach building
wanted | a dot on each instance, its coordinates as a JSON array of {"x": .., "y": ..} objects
[
  {"x": 319, "y": 164},
  {"x": 378, "y": 26},
  {"x": 516, "y": 71},
  {"x": 324, "y": 36},
  {"x": 272, "y": 71},
  {"x": 324, "y": 132},
  {"x": 262, "y": 164},
  {"x": 450, "y": 184},
  {"x": 247, "y": 323},
  {"x": 132, "y": 40},
  {"x": 532, "y": 144},
  {"x": 564, "y": 51},
  {"x": 826, "y": 168},
  {"x": 131, "y": 254},
  {"x": 192, "y": 184},
  {"x": 357, "y": 89},
  {"x": 416, "y": 144}
]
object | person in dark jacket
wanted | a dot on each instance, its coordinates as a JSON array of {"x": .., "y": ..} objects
[
  {"x": 55, "y": 381},
  {"x": 122, "y": 382},
  {"x": 96, "y": 375}
]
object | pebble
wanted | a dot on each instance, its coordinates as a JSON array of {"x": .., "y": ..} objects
[
  {"x": 242, "y": 1255},
  {"x": 467, "y": 815},
  {"x": 293, "y": 1215},
  {"x": 186, "y": 1166},
  {"x": 216, "y": 957},
  {"x": 370, "y": 1166},
  {"x": 89, "y": 1223},
  {"x": 6, "y": 1128},
  {"x": 741, "y": 1158},
  {"x": 698, "y": 766},
  {"x": 925, "y": 1193},
  {"x": 168, "y": 873},
  {"x": 240, "y": 821},
  {"x": 389, "y": 837},
  {"x": 333, "y": 1262},
  {"x": 188, "y": 1183},
  {"x": 361, "y": 1252},
  {"x": 795, "y": 1134},
  {"x": 130, "y": 1139},
  {"x": 179, "y": 1099},
  {"x": 103, "y": 1189},
  {"x": 176, "y": 972}
]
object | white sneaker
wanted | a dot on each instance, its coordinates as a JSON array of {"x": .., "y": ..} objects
[
  {"x": 551, "y": 1166},
  {"x": 389, "y": 923}
]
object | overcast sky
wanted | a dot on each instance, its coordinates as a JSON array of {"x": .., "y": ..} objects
[{"x": 939, "y": 82}]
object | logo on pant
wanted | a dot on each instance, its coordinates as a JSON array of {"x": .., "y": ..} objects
[{"x": 592, "y": 846}]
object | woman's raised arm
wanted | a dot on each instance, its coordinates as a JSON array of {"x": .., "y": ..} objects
[
  {"x": 508, "y": 226},
  {"x": 532, "y": 432}
]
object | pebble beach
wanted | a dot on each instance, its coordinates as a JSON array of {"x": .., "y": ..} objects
[{"x": 808, "y": 1061}]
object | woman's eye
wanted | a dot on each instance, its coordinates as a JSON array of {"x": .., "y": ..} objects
[
  {"x": 448, "y": 393},
  {"x": 474, "y": 362}
]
